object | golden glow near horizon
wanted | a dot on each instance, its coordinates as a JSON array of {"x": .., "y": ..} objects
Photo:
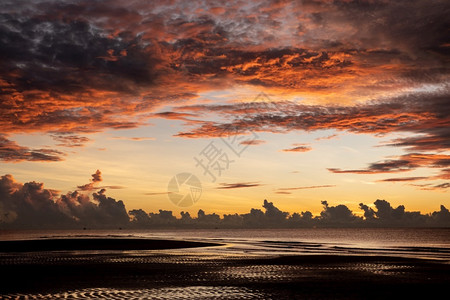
[{"x": 329, "y": 102}]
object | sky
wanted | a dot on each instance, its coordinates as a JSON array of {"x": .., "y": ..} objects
[{"x": 296, "y": 102}]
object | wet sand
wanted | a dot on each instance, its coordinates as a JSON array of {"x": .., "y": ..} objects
[
  {"x": 191, "y": 273},
  {"x": 72, "y": 244}
]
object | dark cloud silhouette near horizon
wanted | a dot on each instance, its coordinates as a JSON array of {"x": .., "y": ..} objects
[
  {"x": 30, "y": 205},
  {"x": 337, "y": 215}
]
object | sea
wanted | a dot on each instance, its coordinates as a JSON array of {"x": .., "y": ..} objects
[
  {"x": 224, "y": 272},
  {"x": 431, "y": 243}
]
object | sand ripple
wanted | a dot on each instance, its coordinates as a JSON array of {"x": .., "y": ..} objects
[
  {"x": 190, "y": 292},
  {"x": 252, "y": 271}
]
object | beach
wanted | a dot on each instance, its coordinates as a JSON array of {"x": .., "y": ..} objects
[{"x": 138, "y": 268}]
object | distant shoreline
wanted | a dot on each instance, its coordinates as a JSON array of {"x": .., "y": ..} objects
[{"x": 75, "y": 244}]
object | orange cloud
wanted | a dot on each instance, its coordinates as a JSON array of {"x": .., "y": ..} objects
[
  {"x": 135, "y": 138},
  {"x": 10, "y": 151},
  {"x": 299, "y": 148},
  {"x": 110, "y": 64},
  {"x": 252, "y": 142}
]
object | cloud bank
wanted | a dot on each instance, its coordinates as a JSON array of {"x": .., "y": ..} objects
[{"x": 30, "y": 205}]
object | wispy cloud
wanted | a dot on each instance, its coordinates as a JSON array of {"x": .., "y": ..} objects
[
  {"x": 288, "y": 190},
  {"x": 10, "y": 151},
  {"x": 156, "y": 193},
  {"x": 432, "y": 187},
  {"x": 70, "y": 140},
  {"x": 136, "y": 139},
  {"x": 252, "y": 142},
  {"x": 299, "y": 148},
  {"x": 238, "y": 185},
  {"x": 403, "y": 179},
  {"x": 403, "y": 163},
  {"x": 328, "y": 137}
]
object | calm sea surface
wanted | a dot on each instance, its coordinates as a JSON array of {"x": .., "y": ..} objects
[{"x": 410, "y": 242}]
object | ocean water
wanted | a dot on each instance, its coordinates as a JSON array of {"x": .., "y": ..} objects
[
  {"x": 411, "y": 242},
  {"x": 237, "y": 269}
]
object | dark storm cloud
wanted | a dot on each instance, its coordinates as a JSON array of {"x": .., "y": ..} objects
[
  {"x": 366, "y": 38},
  {"x": 66, "y": 57},
  {"x": 63, "y": 74},
  {"x": 417, "y": 28}
]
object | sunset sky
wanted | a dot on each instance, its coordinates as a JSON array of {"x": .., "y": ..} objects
[{"x": 344, "y": 101}]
